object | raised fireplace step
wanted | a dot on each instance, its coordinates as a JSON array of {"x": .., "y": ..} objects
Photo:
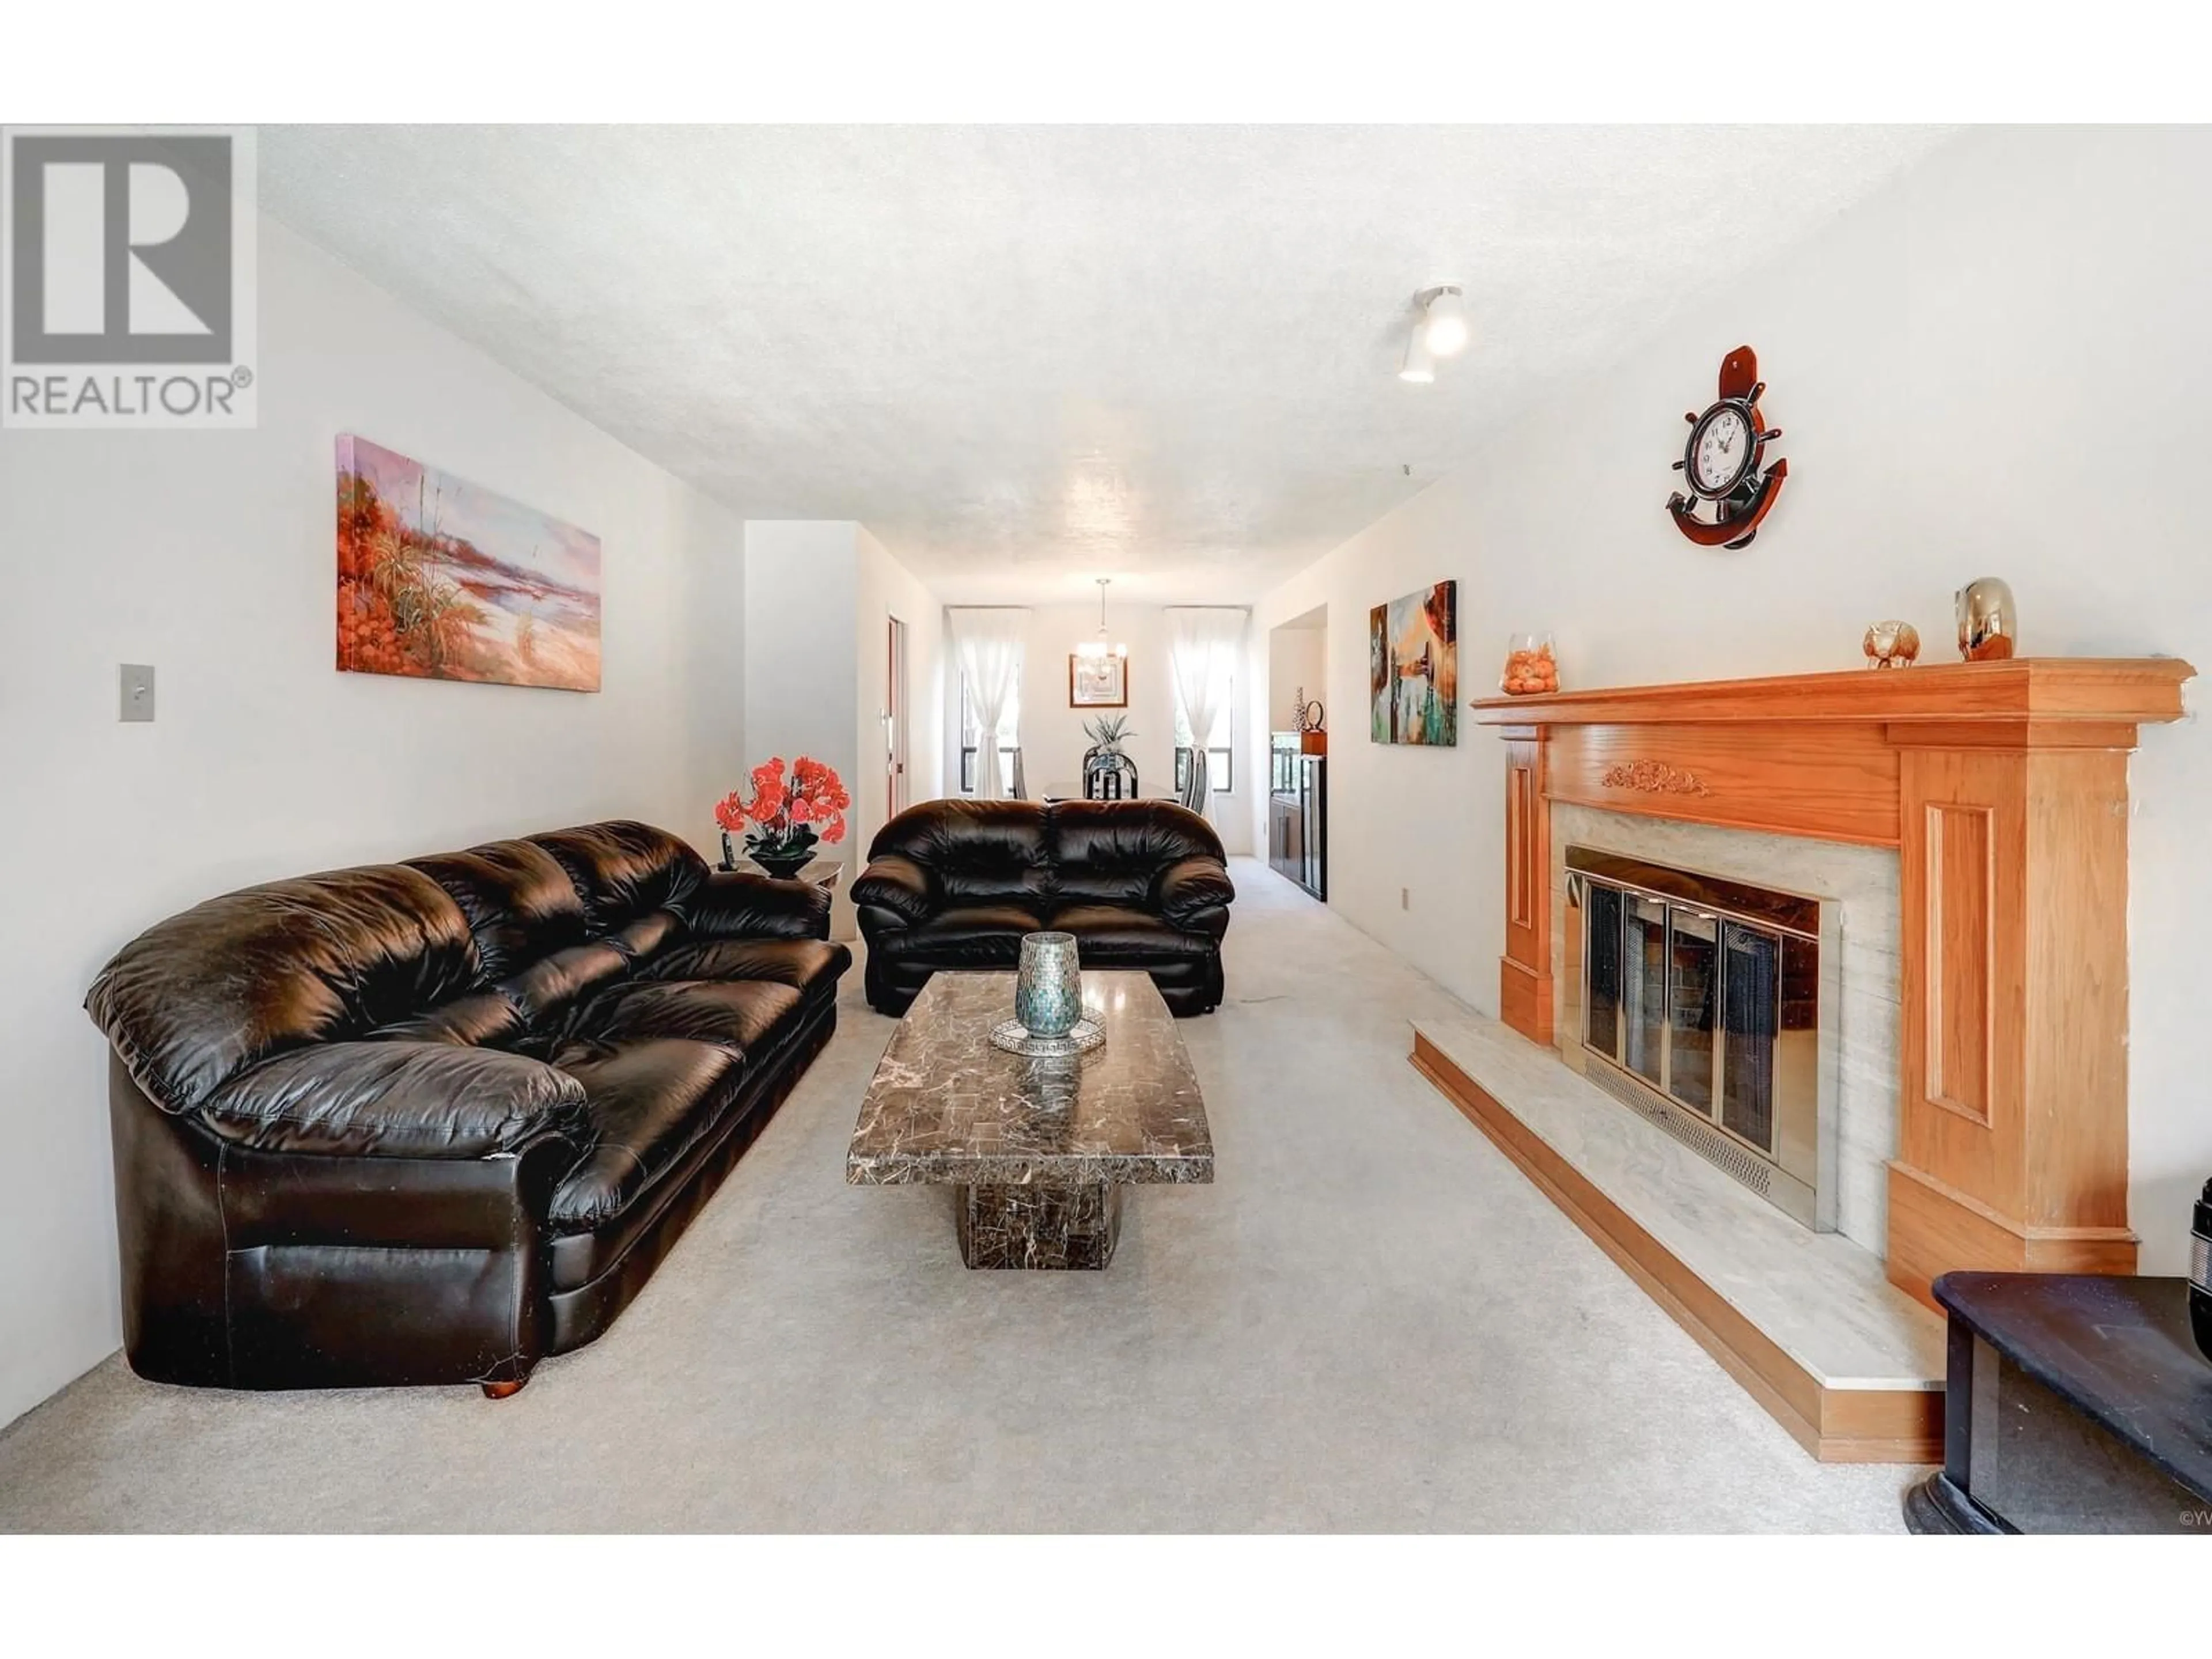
[{"x": 1806, "y": 1322}]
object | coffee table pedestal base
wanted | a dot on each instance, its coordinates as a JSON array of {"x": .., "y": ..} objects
[{"x": 1071, "y": 1225}]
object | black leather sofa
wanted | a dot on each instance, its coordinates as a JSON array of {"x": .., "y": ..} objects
[
  {"x": 428, "y": 1122},
  {"x": 955, "y": 883}
]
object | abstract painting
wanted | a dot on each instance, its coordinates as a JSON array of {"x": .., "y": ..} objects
[
  {"x": 1412, "y": 667},
  {"x": 440, "y": 579}
]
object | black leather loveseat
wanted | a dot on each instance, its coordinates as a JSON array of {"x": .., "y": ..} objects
[
  {"x": 430, "y": 1122},
  {"x": 955, "y": 883}
]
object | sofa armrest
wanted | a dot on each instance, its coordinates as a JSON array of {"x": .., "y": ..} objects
[
  {"x": 428, "y": 1100},
  {"x": 739, "y": 904},
  {"x": 1187, "y": 890},
  {"x": 899, "y": 885}
]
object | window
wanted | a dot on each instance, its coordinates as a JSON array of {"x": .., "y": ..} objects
[
  {"x": 1221, "y": 748},
  {"x": 1009, "y": 722}
]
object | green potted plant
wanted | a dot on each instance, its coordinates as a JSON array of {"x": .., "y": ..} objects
[{"x": 1107, "y": 733}]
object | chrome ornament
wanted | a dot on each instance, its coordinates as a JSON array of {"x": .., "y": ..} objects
[{"x": 1988, "y": 622}]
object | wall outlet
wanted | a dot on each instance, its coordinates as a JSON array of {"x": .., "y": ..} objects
[
  {"x": 1405, "y": 898},
  {"x": 136, "y": 692}
]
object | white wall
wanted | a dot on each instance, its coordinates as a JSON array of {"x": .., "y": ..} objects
[
  {"x": 211, "y": 556},
  {"x": 714, "y": 621},
  {"x": 819, "y": 594},
  {"x": 1053, "y": 740},
  {"x": 802, "y": 581},
  {"x": 1297, "y": 659},
  {"x": 887, "y": 589},
  {"x": 1994, "y": 366},
  {"x": 802, "y": 678}
]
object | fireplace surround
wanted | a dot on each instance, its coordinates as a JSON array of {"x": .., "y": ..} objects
[
  {"x": 2003, "y": 788},
  {"x": 1969, "y": 824}
]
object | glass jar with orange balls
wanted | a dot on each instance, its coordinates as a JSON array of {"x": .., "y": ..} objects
[{"x": 1530, "y": 667}]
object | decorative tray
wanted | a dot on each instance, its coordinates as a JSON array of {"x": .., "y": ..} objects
[{"x": 1014, "y": 1038}]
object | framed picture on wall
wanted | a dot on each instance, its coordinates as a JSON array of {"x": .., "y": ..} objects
[
  {"x": 1412, "y": 667},
  {"x": 1097, "y": 682},
  {"x": 440, "y": 578}
]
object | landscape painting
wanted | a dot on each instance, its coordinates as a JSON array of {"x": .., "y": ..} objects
[
  {"x": 440, "y": 579},
  {"x": 1412, "y": 667}
]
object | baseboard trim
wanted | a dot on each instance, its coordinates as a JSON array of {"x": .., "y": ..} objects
[{"x": 1836, "y": 1425}]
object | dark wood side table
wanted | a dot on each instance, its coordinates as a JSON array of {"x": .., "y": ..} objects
[{"x": 2073, "y": 1403}]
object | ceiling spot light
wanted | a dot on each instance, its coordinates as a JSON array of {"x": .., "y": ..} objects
[
  {"x": 1419, "y": 367},
  {"x": 1444, "y": 328}
]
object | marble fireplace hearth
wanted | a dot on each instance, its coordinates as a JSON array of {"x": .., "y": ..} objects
[{"x": 1806, "y": 1322}]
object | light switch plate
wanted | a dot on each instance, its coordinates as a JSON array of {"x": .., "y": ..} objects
[{"x": 137, "y": 680}]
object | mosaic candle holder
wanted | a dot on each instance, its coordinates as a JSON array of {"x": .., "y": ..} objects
[{"x": 1049, "y": 985}]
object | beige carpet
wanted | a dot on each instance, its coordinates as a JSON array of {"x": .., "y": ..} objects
[{"x": 1370, "y": 1322}]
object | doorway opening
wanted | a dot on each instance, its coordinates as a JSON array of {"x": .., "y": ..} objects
[
  {"x": 1298, "y": 750},
  {"x": 895, "y": 718}
]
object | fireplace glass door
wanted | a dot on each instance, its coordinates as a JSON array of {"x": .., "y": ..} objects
[
  {"x": 1754, "y": 982},
  {"x": 1601, "y": 1030},
  {"x": 1702, "y": 998},
  {"x": 1644, "y": 972},
  {"x": 1693, "y": 1002},
  {"x": 1696, "y": 1002}
]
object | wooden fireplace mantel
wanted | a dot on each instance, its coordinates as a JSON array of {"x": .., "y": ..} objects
[
  {"x": 2127, "y": 690},
  {"x": 2003, "y": 787}
]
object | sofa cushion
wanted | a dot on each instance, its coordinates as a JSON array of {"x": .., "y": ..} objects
[
  {"x": 194, "y": 1000},
  {"x": 519, "y": 903},
  {"x": 547, "y": 992},
  {"x": 648, "y": 934},
  {"x": 741, "y": 1015},
  {"x": 395, "y": 1100},
  {"x": 622, "y": 869},
  {"x": 1112, "y": 852},
  {"x": 977, "y": 851},
  {"x": 1115, "y": 936},
  {"x": 481, "y": 1019},
  {"x": 645, "y": 1102},
  {"x": 811, "y": 966},
  {"x": 966, "y": 936}
]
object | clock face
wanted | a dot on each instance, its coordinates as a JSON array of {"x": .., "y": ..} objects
[{"x": 1720, "y": 450}]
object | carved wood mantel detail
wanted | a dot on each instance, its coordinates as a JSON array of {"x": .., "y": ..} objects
[
  {"x": 1652, "y": 777},
  {"x": 2003, "y": 787}
]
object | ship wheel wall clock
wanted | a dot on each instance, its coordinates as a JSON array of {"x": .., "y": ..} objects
[{"x": 1721, "y": 463}]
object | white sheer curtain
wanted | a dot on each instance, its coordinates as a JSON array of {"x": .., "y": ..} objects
[
  {"x": 1203, "y": 644},
  {"x": 988, "y": 643}
]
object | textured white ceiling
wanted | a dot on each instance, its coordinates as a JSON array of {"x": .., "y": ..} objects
[{"x": 1028, "y": 356}]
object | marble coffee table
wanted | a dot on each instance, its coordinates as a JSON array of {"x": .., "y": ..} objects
[{"x": 1036, "y": 1152}]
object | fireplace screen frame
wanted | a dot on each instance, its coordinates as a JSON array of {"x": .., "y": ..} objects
[{"x": 1795, "y": 1170}]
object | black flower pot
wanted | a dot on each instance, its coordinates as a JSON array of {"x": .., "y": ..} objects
[{"x": 784, "y": 866}]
